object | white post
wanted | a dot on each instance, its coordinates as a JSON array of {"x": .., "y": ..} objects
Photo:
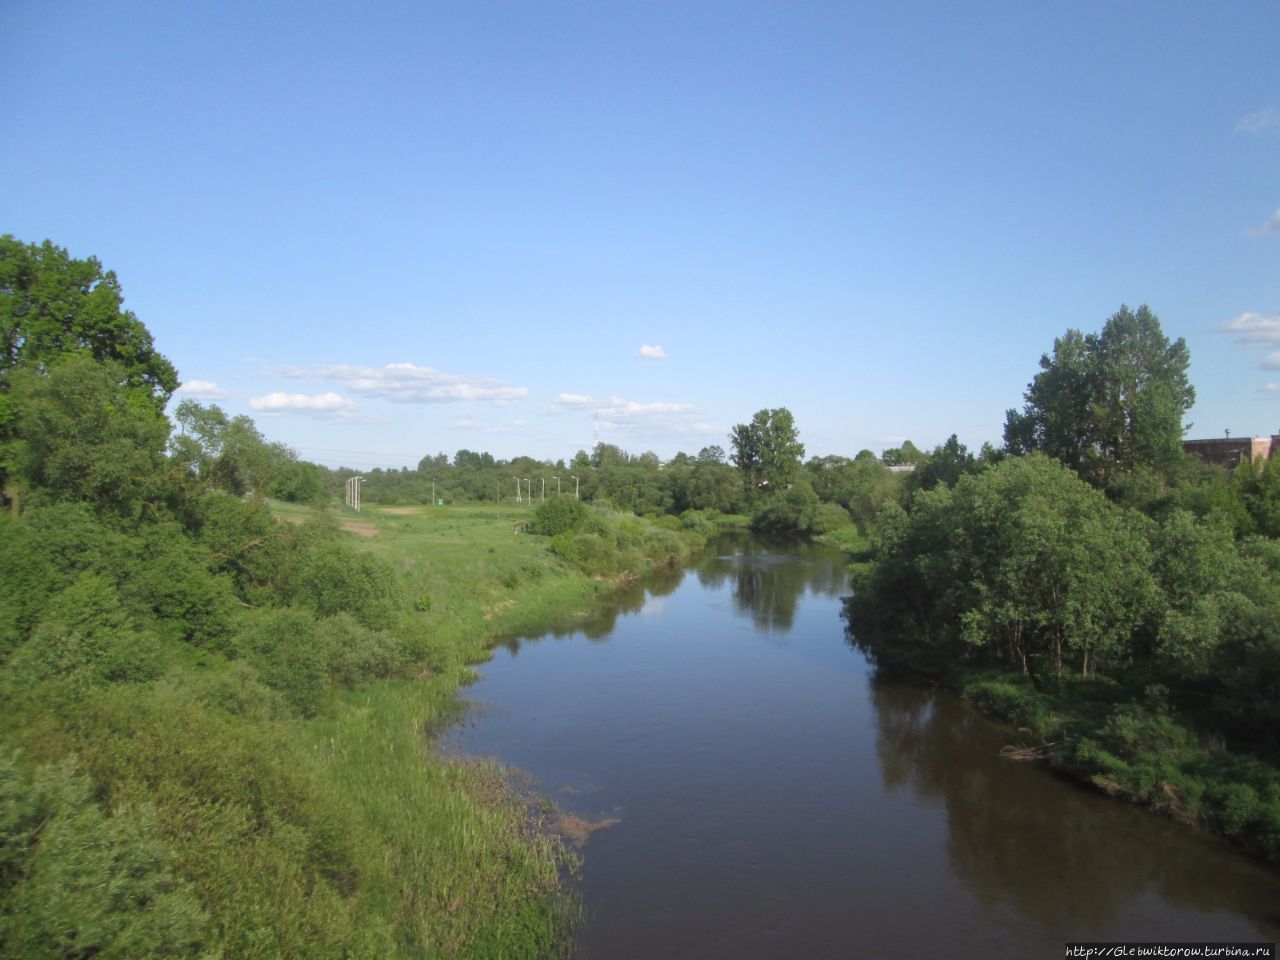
[
  {"x": 517, "y": 480},
  {"x": 544, "y": 488},
  {"x": 575, "y": 486},
  {"x": 556, "y": 478}
]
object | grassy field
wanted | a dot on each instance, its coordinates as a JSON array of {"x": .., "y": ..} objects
[{"x": 468, "y": 866}]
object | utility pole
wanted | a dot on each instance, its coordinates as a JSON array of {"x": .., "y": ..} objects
[
  {"x": 352, "y": 498},
  {"x": 575, "y": 486},
  {"x": 517, "y": 480},
  {"x": 544, "y": 489}
]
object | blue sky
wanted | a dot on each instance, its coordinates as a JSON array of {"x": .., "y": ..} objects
[{"x": 392, "y": 229}]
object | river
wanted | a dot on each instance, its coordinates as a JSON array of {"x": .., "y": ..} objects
[{"x": 772, "y": 798}]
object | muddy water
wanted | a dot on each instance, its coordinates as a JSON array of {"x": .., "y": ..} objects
[{"x": 772, "y": 799}]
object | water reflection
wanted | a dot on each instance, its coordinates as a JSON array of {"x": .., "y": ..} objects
[
  {"x": 598, "y": 623},
  {"x": 1066, "y": 859},
  {"x": 767, "y": 577}
]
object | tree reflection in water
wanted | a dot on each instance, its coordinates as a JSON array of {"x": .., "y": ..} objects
[
  {"x": 768, "y": 576},
  {"x": 1019, "y": 839}
]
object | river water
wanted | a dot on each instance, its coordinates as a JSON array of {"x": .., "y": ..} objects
[{"x": 773, "y": 799}]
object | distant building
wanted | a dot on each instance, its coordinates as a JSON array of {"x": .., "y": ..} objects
[{"x": 1230, "y": 452}]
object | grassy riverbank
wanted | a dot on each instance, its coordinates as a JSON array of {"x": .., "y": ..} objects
[
  {"x": 273, "y": 791},
  {"x": 472, "y": 870}
]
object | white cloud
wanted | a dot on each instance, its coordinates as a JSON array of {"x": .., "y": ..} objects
[
  {"x": 651, "y": 353},
  {"x": 1259, "y": 121},
  {"x": 201, "y": 390},
  {"x": 476, "y": 425},
  {"x": 1270, "y": 227},
  {"x": 1255, "y": 327},
  {"x": 1272, "y": 362},
  {"x": 409, "y": 383},
  {"x": 1271, "y": 388},
  {"x": 319, "y": 405},
  {"x": 617, "y": 413}
]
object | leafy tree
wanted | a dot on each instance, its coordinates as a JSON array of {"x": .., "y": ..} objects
[
  {"x": 1022, "y": 564},
  {"x": 1108, "y": 402},
  {"x": 227, "y": 453},
  {"x": 86, "y": 435},
  {"x": 947, "y": 464},
  {"x": 470, "y": 460},
  {"x": 52, "y": 306},
  {"x": 767, "y": 450},
  {"x": 904, "y": 455}
]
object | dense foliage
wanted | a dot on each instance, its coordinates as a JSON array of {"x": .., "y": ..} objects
[
  {"x": 1133, "y": 628},
  {"x": 172, "y": 656}
]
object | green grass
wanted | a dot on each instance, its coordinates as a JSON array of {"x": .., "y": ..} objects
[
  {"x": 336, "y": 831},
  {"x": 468, "y": 866}
]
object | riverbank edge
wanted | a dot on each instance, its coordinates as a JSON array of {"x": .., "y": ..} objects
[
  {"x": 532, "y": 915},
  {"x": 1099, "y": 742}
]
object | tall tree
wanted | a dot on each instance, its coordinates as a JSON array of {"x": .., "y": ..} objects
[
  {"x": 52, "y": 305},
  {"x": 1107, "y": 402},
  {"x": 768, "y": 449}
]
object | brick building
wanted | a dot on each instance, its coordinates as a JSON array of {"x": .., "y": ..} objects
[{"x": 1230, "y": 452}]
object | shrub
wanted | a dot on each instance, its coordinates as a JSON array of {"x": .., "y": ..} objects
[
  {"x": 287, "y": 650},
  {"x": 89, "y": 884},
  {"x": 1017, "y": 704},
  {"x": 86, "y": 631},
  {"x": 358, "y": 654},
  {"x": 334, "y": 578},
  {"x": 559, "y": 515}
]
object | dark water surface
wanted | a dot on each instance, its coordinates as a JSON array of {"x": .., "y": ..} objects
[{"x": 773, "y": 800}]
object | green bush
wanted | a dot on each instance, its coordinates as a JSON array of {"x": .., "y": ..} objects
[
  {"x": 559, "y": 515},
  {"x": 80, "y": 883},
  {"x": 286, "y": 648},
  {"x": 334, "y": 578},
  {"x": 1133, "y": 730},
  {"x": 356, "y": 653},
  {"x": 1014, "y": 703},
  {"x": 86, "y": 631}
]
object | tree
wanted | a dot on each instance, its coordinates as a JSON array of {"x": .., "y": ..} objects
[
  {"x": 1022, "y": 564},
  {"x": 51, "y": 306},
  {"x": 227, "y": 452},
  {"x": 767, "y": 450},
  {"x": 947, "y": 464},
  {"x": 906, "y": 454},
  {"x": 1108, "y": 402},
  {"x": 83, "y": 435}
]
